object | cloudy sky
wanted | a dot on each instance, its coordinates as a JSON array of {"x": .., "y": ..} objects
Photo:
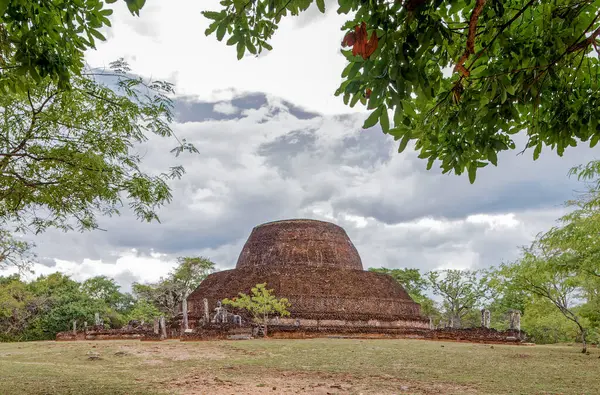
[{"x": 275, "y": 143}]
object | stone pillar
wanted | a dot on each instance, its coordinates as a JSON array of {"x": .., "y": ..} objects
[
  {"x": 431, "y": 323},
  {"x": 485, "y": 318},
  {"x": 206, "y": 312},
  {"x": 163, "y": 328},
  {"x": 74, "y": 327},
  {"x": 84, "y": 325},
  {"x": 184, "y": 308},
  {"x": 97, "y": 319},
  {"x": 156, "y": 327}
]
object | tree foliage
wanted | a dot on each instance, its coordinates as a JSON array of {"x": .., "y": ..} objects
[
  {"x": 459, "y": 78},
  {"x": 562, "y": 265},
  {"x": 168, "y": 293},
  {"x": 262, "y": 304},
  {"x": 574, "y": 238},
  {"x": 14, "y": 252},
  {"x": 416, "y": 286},
  {"x": 545, "y": 277},
  {"x": 191, "y": 271},
  {"x": 47, "y": 39},
  {"x": 49, "y": 304},
  {"x": 38, "y": 309},
  {"x": 66, "y": 155},
  {"x": 461, "y": 291}
]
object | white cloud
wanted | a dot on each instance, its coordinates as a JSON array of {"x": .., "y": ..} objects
[
  {"x": 225, "y": 108},
  {"x": 304, "y": 67},
  {"x": 268, "y": 164},
  {"x": 271, "y": 164}
]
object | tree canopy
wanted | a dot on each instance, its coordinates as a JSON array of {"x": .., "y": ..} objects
[
  {"x": 14, "y": 252},
  {"x": 168, "y": 293},
  {"x": 261, "y": 304},
  {"x": 461, "y": 291},
  {"x": 561, "y": 265},
  {"x": 66, "y": 155},
  {"x": 70, "y": 155},
  {"x": 47, "y": 39},
  {"x": 69, "y": 133},
  {"x": 459, "y": 78},
  {"x": 39, "y": 309}
]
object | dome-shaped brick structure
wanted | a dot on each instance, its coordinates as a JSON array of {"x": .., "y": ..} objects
[
  {"x": 315, "y": 265},
  {"x": 299, "y": 243}
]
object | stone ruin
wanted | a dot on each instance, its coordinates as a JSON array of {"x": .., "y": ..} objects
[{"x": 317, "y": 268}]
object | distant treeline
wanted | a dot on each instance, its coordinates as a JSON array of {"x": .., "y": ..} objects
[{"x": 39, "y": 309}]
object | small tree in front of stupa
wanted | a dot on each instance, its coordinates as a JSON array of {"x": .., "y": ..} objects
[{"x": 261, "y": 304}]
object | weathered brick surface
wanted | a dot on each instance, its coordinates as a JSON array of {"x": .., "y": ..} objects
[
  {"x": 299, "y": 242},
  {"x": 471, "y": 335},
  {"x": 315, "y": 265}
]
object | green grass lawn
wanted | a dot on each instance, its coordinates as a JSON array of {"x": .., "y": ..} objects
[{"x": 317, "y": 366}]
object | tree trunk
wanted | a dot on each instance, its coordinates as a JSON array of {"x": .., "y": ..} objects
[
  {"x": 584, "y": 350},
  {"x": 163, "y": 328},
  {"x": 265, "y": 321},
  {"x": 184, "y": 308}
]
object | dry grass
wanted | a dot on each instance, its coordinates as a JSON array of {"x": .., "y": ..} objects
[{"x": 318, "y": 366}]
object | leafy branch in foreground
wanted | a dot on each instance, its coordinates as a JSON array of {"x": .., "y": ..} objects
[
  {"x": 459, "y": 78},
  {"x": 68, "y": 155},
  {"x": 47, "y": 39},
  {"x": 14, "y": 252}
]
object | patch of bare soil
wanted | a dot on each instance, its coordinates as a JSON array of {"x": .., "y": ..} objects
[
  {"x": 175, "y": 352},
  {"x": 308, "y": 383},
  {"x": 153, "y": 361}
]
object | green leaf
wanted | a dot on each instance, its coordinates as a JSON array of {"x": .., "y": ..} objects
[
  {"x": 135, "y": 6},
  {"x": 430, "y": 162},
  {"x": 537, "y": 151},
  {"x": 384, "y": 120},
  {"x": 472, "y": 168},
  {"x": 212, "y": 15},
  {"x": 372, "y": 119},
  {"x": 97, "y": 34},
  {"x": 240, "y": 50},
  {"x": 321, "y": 5},
  {"x": 211, "y": 28},
  {"x": 233, "y": 39},
  {"x": 345, "y": 6},
  {"x": 250, "y": 46},
  {"x": 240, "y": 4},
  {"x": 221, "y": 31},
  {"x": 3, "y": 6},
  {"x": 404, "y": 143},
  {"x": 493, "y": 157},
  {"x": 594, "y": 140}
]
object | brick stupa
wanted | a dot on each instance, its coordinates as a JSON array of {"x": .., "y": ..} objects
[{"x": 315, "y": 265}]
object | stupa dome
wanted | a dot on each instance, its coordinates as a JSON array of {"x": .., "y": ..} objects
[
  {"x": 315, "y": 265},
  {"x": 297, "y": 243}
]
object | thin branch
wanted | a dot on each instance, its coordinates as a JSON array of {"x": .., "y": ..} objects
[
  {"x": 501, "y": 30},
  {"x": 471, "y": 38}
]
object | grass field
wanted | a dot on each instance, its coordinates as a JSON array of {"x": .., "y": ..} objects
[{"x": 318, "y": 366}]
